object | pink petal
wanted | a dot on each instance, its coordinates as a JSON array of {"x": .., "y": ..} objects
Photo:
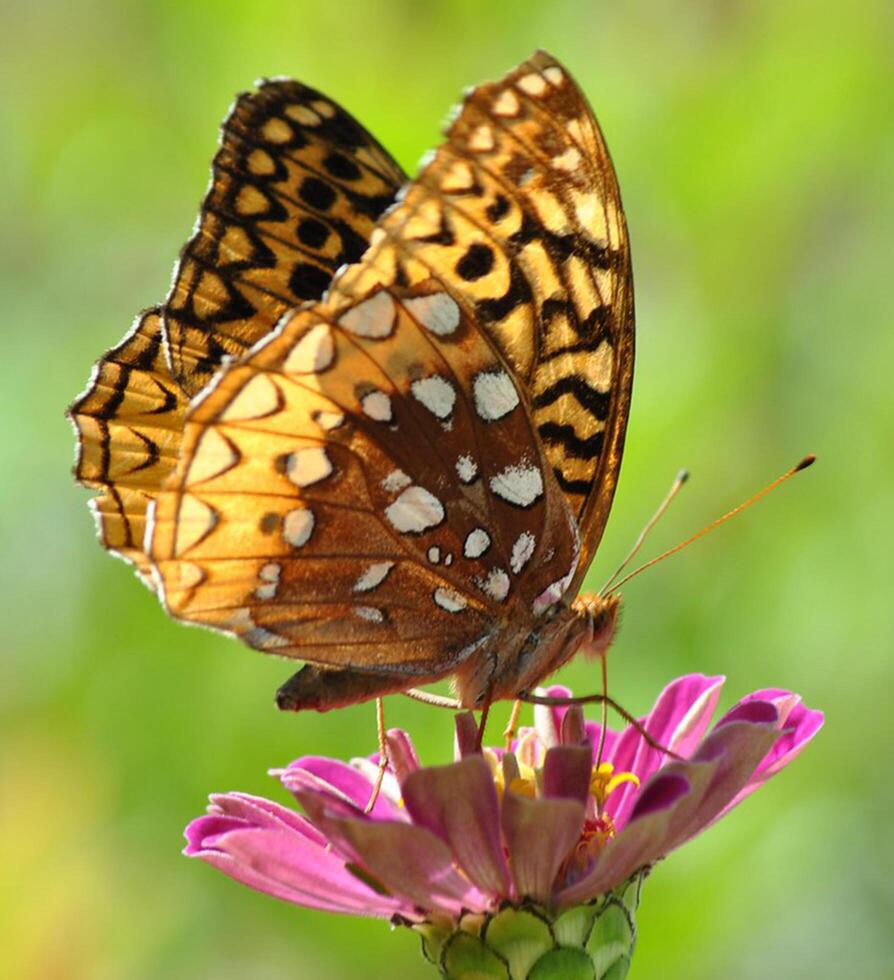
[
  {"x": 610, "y": 745},
  {"x": 338, "y": 779},
  {"x": 737, "y": 747},
  {"x": 539, "y": 834},
  {"x": 548, "y": 718},
  {"x": 634, "y": 848},
  {"x": 573, "y": 728},
  {"x": 459, "y": 804},
  {"x": 566, "y": 772},
  {"x": 466, "y": 735},
  {"x": 678, "y": 720},
  {"x": 402, "y": 755},
  {"x": 264, "y": 814},
  {"x": 799, "y": 727},
  {"x": 292, "y": 868},
  {"x": 410, "y": 861}
]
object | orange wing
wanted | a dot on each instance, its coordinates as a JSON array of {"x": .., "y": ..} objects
[
  {"x": 520, "y": 211},
  {"x": 129, "y": 422}
]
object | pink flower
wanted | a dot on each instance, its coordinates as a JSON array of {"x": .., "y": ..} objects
[{"x": 540, "y": 824}]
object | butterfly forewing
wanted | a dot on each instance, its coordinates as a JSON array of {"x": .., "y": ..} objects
[
  {"x": 296, "y": 188},
  {"x": 366, "y": 489},
  {"x": 520, "y": 211}
]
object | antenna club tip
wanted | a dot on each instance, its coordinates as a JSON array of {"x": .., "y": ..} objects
[
  {"x": 808, "y": 460},
  {"x": 682, "y": 476}
]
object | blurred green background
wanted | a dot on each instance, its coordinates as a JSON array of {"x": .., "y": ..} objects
[{"x": 755, "y": 147}]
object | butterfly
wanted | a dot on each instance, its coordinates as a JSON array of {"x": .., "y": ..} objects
[{"x": 377, "y": 424}]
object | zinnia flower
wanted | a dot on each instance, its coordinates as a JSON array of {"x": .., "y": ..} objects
[{"x": 521, "y": 863}]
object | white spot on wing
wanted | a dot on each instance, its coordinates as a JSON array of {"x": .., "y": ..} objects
[
  {"x": 214, "y": 456},
  {"x": 477, "y": 542},
  {"x": 466, "y": 469},
  {"x": 449, "y": 600},
  {"x": 370, "y": 614},
  {"x": 373, "y": 576},
  {"x": 495, "y": 395},
  {"x": 269, "y": 576},
  {"x": 395, "y": 481},
  {"x": 555, "y": 74},
  {"x": 377, "y": 405},
  {"x": 258, "y": 398},
  {"x": 328, "y": 420},
  {"x": 297, "y": 527},
  {"x": 434, "y": 554},
  {"x": 507, "y": 104},
  {"x": 308, "y": 466},
  {"x": 482, "y": 139},
  {"x": 521, "y": 484},
  {"x": 195, "y": 520},
  {"x": 415, "y": 510},
  {"x": 374, "y": 317},
  {"x": 522, "y": 551},
  {"x": 533, "y": 84},
  {"x": 496, "y": 585},
  {"x": 314, "y": 351},
  {"x": 569, "y": 160},
  {"x": 437, "y": 312},
  {"x": 436, "y": 394}
]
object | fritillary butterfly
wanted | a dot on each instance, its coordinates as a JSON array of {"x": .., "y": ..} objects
[{"x": 377, "y": 424}]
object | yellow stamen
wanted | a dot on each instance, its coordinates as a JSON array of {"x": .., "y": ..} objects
[
  {"x": 522, "y": 777},
  {"x": 604, "y": 781}
]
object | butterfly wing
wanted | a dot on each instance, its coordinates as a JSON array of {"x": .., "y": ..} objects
[
  {"x": 499, "y": 290},
  {"x": 520, "y": 211},
  {"x": 365, "y": 490},
  {"x": 296, "y": 187},
  {"x": 128, "y": 424}
]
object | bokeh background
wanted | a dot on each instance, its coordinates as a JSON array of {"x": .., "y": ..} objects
[{"x": 755, "y": 147}]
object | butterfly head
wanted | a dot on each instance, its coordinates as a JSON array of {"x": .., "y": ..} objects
[{"x": 600, "y": 614}]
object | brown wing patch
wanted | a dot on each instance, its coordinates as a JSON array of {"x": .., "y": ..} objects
[
  {"x": 296, "y": 188},
  {"x": 128, "y": 423}
]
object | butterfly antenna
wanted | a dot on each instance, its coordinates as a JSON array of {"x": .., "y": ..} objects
[
  {"x": 682, "y": 477},
  {"x": 807, "y": 461}
]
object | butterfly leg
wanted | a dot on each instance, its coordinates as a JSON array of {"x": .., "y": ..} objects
[
  {"x": 383, "y": 755},
  {"x": 599, "y": 751},
  {"x": 482, "y": 724},
  {"x": 512, "y": 724}
]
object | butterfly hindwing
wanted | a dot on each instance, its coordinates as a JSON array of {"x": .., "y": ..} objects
[
  {"x": 365, "y": 490},
  {"x": 129, "y": 421}
]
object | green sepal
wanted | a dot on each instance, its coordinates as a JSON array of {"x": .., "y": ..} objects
[{"x": 594, "y": 941}]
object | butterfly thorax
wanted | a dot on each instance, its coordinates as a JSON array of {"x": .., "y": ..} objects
[{"x": 517, "y": 659}]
